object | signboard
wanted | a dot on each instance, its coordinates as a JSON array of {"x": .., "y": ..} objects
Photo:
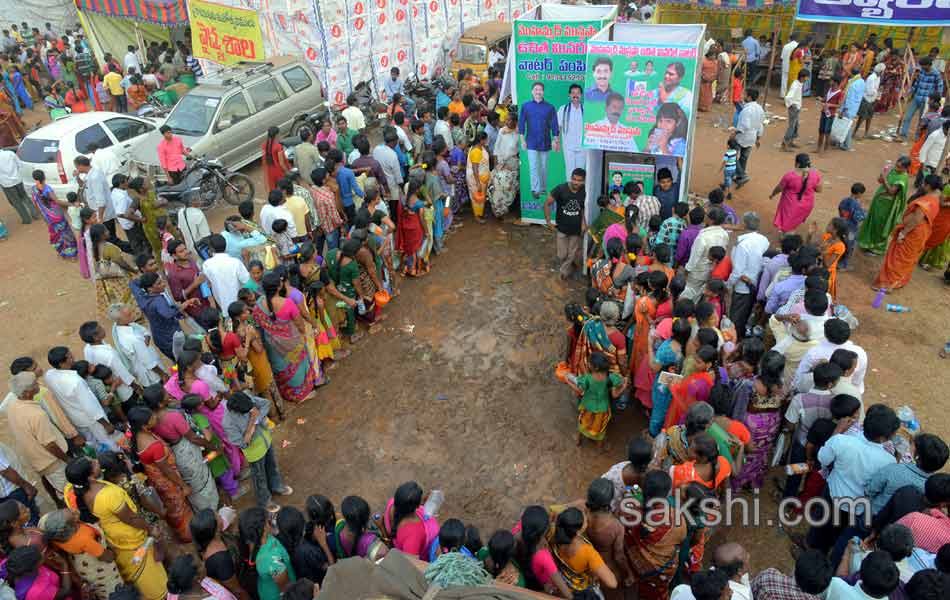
[
  {"x": 620, "y": 170},
  {"x": 224, "y": 34},
  {"x": 918, "y": 13},
  {"x": 551, "y": 53},
  {"x": 638, "y": 97}
]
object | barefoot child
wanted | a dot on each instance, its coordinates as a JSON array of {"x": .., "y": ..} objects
[
  {"x": 834, "y": 244},
  {"x": 596, "y": 390},
  {"x": 851, "y": 210}
]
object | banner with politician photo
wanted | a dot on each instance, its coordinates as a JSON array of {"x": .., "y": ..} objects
[{"x": 639, "y": 97}]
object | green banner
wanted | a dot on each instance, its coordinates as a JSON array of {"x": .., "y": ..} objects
[
  {"x": 620, "y": 172},
  {"x": 551, "y": 53},
  {"x": 638, "y": 97}
]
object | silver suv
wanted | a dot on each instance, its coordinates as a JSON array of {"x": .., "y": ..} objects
[{"x": 227, "y": 115}]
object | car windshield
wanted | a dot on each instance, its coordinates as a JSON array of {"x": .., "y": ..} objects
[
  {"x": 193, "y": 114},
  {"x": 472, "y": 53}
]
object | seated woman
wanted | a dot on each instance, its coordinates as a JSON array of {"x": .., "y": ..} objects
[{"x": 406, "y": 524}]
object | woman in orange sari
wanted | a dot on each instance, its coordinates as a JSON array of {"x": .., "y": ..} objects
[
  {"x": 706, "y": 468},
  {"x": 833, "y": 246},
  {"x": 693, "y": 388},
  {"x": 910, "y": 236},
  {"x": 710, "y": 71},
  {"x": 644, "y": 313}
]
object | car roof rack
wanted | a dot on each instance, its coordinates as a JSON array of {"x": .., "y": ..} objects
[{"x": 240, "y": 73}]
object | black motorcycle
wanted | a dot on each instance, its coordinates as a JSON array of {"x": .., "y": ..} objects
[
  {"x": 208, "y": 180},
  {"x": 312, "y": 119}
]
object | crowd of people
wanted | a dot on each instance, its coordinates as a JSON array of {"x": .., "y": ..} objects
[
  {"x": 59, "y": 71},
  {"x": 735, "y": 346}
]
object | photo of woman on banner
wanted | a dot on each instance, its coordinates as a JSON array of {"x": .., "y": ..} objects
[
  {"x": 603, "y": 71},
  {"x": 670, "y": 89},
  {"x": 539, "y": 132},
  {"x": 668, "y": 136},
  {"x": 570, "y": 119}
]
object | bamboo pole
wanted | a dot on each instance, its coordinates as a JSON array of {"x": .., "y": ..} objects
[{"x": 775, "y": 50}]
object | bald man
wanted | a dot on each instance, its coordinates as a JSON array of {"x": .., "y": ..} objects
[{"x": 733, "y": 560}]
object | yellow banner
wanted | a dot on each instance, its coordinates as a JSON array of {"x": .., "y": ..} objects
[{"x": 223, "y": 34}]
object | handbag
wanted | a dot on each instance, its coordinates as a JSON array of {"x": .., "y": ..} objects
[{"x": 840, "y": 128}]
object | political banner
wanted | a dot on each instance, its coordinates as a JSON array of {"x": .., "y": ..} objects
[
  {"x": 914, "y": 13},
  {"x": 638, "y": 97},
  {"x": 549, "y": 59},
  {"x": 224, "y": 34}
]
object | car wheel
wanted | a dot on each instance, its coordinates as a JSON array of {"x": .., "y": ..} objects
[{"x": 237, "y": 189}]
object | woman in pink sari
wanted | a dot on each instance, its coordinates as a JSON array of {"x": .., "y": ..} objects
[
  {"x": 798, "y": 188},
  {"x": 88, "y": 218},
  {"x": 53, "y": 210},
  {"x": 24, "y": 571}
]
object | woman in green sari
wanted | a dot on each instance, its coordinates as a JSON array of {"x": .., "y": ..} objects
[
  {"x": 150, "y": 205},
  {"x": 887, "y": 206},
  {"x": 344, "y": 270}
]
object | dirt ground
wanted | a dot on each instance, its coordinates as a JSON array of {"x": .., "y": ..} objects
[{"x": 457, "y": 390}]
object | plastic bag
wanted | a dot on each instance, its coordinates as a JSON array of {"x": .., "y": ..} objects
[{"x": 840, "y": 129}]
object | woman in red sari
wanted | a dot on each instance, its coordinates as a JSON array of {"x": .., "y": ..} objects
[
  {"x": 275, "y": 161},
  {"x": 694, "y": 388},
  {"x": 644, "y": 312},
  {"x": 890, "y": 82},
  {"x": 411, "y": 230},
  {"x": 910, "y": 236}
]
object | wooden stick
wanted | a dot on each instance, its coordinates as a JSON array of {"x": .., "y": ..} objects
[{"x": 768, "y": 74}]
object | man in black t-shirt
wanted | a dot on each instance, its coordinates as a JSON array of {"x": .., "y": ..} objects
[{"x": 569, "y": 220}]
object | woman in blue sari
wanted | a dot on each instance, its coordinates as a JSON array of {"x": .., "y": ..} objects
[
  {"x": 19, "y": 87},
  {"x": 667, "y": 357},
  {"x": 60, "y": 233}
]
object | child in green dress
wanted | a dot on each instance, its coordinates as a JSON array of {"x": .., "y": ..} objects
[{"x": 596, "y": 390}]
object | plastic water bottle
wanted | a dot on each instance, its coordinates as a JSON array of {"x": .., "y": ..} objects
[
  {"x": 879, "y": 298},
  {"x": 908, "y": 418},
  {"x": 434, "y": 503},
  {"x": 139, "y": 555},
  {"x": 361, "y": 307},
  {"x": 898, "y": 308}
]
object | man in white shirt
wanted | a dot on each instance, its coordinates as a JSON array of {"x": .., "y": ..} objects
[
  {"x": 872, "y": 92},
  {"x": 443, "y": 129},
  {"x": 787, "y": 50},
  {"x": 78, "y": 402},
  {"x": 793, "y": 102},
  {"x": 353, "y": 115},
  {"x": 932, "y": 150},
  {"x": 837, "y": 334},
  {"x": 385, "y": 155},
  {"x": 749, "y": 130},
  {"x": 193, "y": 225},
  {"x": 97, "y": 352},
  {"x": 14, "y": 485},
  {"x": 96, "y": 191},
  {"x": 274, "y": 210},
  {"x": 134, "y": 345},
  {"x": 570, "y": 120},
  {"x": 733, "y": 560},
  {"x": 128, "y": 215},
  {"x": 746, "y": 268},
  {"x": 699, "y": 265},
  {"x": 10, "y": 167},
  {"x": 399, "y": 124},
  {"x": 131, "y": 60},
  {"x": 225, "y": 273}
]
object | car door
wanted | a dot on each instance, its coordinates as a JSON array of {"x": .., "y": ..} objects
[
  {"x": 268, "y": 102},
  {"x": 235, "y": 133},
  {"x": 126, "y": 131}
]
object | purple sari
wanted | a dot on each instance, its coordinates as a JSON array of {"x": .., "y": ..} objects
[
  {"x": 763, "y": 417},
  {"x": 60, "y": 233}
]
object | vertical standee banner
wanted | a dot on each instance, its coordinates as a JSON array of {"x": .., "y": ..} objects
[
  {"x": 640, "y": 96},
  {"x": 550, "y": 46}
]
